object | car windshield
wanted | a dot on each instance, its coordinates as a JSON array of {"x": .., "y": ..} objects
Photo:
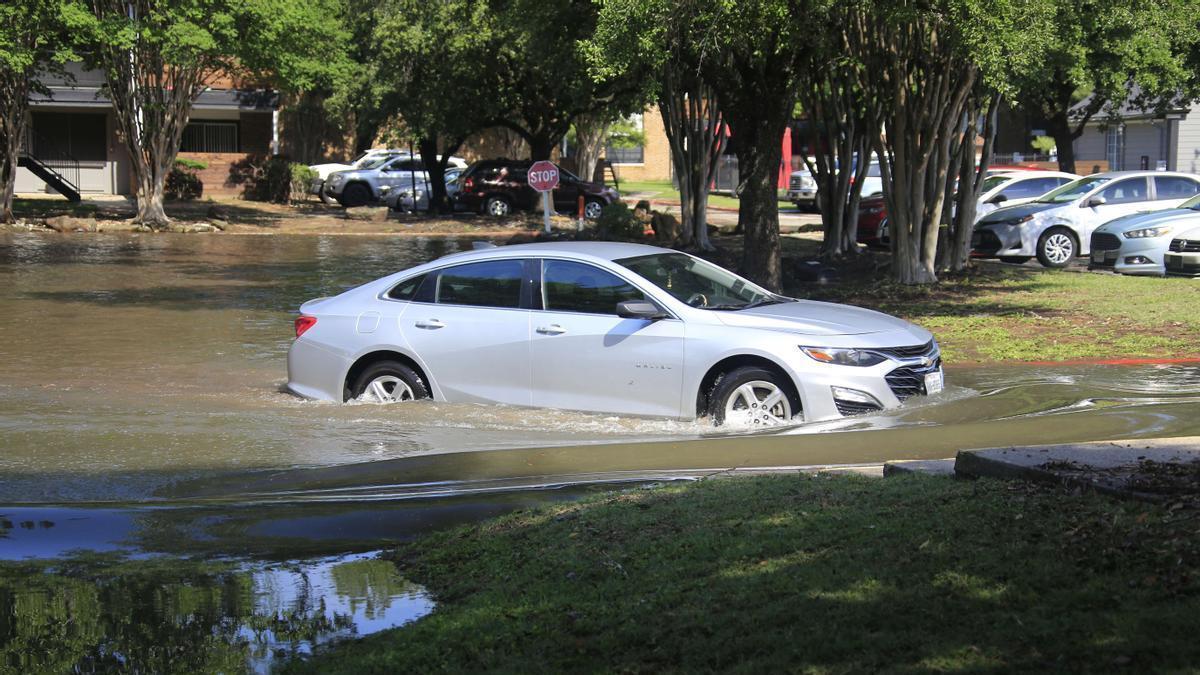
[
  {"x": 992, "y": 182},
  {"x": 1193, "y": 203},
  {"x": 698, "y": 283},
  {"x": 1073, "y": 190},
  {"x": 375, "y": 162}
]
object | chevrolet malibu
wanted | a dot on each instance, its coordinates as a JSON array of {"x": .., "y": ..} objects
[{"x": 606, "y": 327}]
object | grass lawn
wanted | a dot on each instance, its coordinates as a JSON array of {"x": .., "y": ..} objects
[
  {"x": 805, "y": 574},
  {"x": 1000, "y": 313},
  {"x": 664, "y": 190}
]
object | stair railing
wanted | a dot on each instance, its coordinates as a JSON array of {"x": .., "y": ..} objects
[{"x": 47, "y": 153}]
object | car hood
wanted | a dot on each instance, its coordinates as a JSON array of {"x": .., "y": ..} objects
[
  {"x": 808, "y": 317},
  {"x": 1007, "y": 213},
  {"x": 323, "y": 170},
  {"x": 1137, "y": 221}
]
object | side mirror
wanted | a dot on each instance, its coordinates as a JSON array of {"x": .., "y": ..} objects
[
  {"x": 998, "y": 199},
  {"x": 1097, "y": 201},
  {"x": 639, "y": 309}
]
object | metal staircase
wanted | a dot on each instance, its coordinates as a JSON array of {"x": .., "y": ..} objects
[{"x": 57, "y": 168}]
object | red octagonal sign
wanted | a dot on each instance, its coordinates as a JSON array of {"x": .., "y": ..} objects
[{"x": 543, "y": 176}]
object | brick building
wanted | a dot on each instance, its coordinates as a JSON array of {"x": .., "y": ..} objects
[{"x": 74, "y": 132}]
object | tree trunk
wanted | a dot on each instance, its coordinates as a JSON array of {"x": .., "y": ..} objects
[
  {"x": 760, "y": 135},
  {"x": 695, "y": 134},
  {"x": 1059, "y": 126},
  {"x": 590, "y": 131},
  {"x": 435, "y": 167},
  {"x": 14, "y": 101},
  {"x": 541, "y": 146}
]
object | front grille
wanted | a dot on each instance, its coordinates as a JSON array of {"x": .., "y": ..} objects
[
  {"x": 909, "y": 381},
  {"x": 847, "y": 408},
  {"x": 794, "y": 184},
  {"x": 908, "y": 352},
  {"x": 985, "y": 241},
  {"x": 1185, "y": 245},
  {"x": 1103, "y": 241}
]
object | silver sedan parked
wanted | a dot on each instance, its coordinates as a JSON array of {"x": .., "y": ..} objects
[{"x": 606, "y": 327}]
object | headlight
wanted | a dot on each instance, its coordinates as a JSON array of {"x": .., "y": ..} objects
[
  {"x": 1147, "y": 232},
  {"x": 1019, "y": 221},
  {"x": 844, "y": 357},
  {"x": 336, "y": 179}
]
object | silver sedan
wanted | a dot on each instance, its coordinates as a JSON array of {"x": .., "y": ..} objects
[{"x": 606, "y": 327}]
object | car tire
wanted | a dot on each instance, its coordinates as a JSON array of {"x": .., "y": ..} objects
[
  {"x": 497, "y": 206},
  {"x": 1056, "y": 247},
  {"x": 387, "y": 382},
  {"x": 326, "y": 198},
  {"x": 1015, "y": 259},
  {"x": 729, "y": 400},
  {"x": 592, "y": 209},
  {"x": 355, "y": 194}
]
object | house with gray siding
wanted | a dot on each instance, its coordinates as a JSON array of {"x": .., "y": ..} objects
[{"x": 1130, "y": 139}]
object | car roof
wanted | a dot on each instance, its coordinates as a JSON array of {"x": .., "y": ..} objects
[
  {"x": 1034, "y": 175},
  {"x": 1134, "y": 174},
  {"x": 596, "y": 250}
]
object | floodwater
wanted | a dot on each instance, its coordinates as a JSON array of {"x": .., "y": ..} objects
[
  {"x": 166, "y": 507},
  {"x": 150, "y": 368}
]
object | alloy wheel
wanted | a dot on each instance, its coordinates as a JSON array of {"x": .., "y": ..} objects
[
  {"x": 386, "y": 389},
  {"x": 758, "y": 403},
  {"x": 1059, "y": 248}
]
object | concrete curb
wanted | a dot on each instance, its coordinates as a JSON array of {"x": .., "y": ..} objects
[{"x": 928, "y": 467}]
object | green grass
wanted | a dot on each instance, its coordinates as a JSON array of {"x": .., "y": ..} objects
[
  {"x": 804, "y": 574},
  {"x": 665, "y": 191},
  {"x": 1001, "y": 314}
]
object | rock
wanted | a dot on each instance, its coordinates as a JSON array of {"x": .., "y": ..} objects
[
  {"x": 221, "y": 225},
  {"x": 666, "y": 228},
  {"x": 71, "y": 224},
  {"x": 218, "y": 212},
  {"x": 375, "y": 214},
  {"x": 116, "y": 226}
]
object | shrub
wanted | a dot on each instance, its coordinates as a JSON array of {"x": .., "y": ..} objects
[
  {"x": 616, "y": 221},
  {"x": 182, "y": 182},
  {"x": 302, "y": 177},
  {"x": 263, "y": 178}
]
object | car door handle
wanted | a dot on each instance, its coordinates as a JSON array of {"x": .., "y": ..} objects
[
  {"x": 552, "y": 329},
  {"x": 431, "y": 324}
]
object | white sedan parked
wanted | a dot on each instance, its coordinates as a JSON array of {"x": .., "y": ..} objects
[
  {"x": 1058, "y": 226},
  {"x": 1011, "y": 188},
  {"x": 606, "y": 327}
]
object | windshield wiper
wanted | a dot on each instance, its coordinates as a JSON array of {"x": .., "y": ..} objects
[{"x": 749, "y": 305}]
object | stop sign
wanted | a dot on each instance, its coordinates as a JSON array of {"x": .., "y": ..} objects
[{"x": 543, "y": 176}]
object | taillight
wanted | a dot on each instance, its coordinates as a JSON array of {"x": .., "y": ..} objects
[
  {"x": 468, "y": 184},
  {"x": 303, "y": 323}
]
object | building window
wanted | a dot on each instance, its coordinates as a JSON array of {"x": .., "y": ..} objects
[
  {"x": 210, "y": 137},
  {"x": 1114, "y": 147}
]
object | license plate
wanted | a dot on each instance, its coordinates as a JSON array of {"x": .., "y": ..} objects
[
  {"x": 1098, "y": 256},
  {"x": 934, "y": 382}
]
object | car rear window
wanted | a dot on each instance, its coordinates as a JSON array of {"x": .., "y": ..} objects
[
  {"x": 407, "y": 289},
  {"x": 495, "y": 283}
]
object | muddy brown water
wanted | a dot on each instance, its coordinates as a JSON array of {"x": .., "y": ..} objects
[{"x": 144, "y": 368}]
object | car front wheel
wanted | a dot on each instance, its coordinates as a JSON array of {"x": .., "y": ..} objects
[
  {"x": 752, "y": 397},
  {"x": 1056, "y": 247},
  {"x": 355, "y": 194},
  {"x": 388, "y": 382}
]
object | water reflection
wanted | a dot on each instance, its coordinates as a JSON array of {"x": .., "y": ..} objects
[{"x": 96, "y": 613}]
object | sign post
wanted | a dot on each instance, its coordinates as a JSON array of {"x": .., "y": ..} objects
[{"x": 543, "y": 177}]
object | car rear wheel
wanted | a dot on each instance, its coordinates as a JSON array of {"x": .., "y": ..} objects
[
  {"x": 592, "y": 209},
  {"x": 355, "y": 194},
  {"x": 497, "y": 206},
  {"x": 1056, "y": 247},
  {"x": 752, "y": 397},
  {"x": 388, "y": 382}
]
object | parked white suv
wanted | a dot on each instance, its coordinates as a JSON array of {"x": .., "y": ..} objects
[{"x": 1058, "y": 226}]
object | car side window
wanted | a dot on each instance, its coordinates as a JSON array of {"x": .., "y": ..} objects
[
  {"x": 407, "y": 289},
  {"x": 1125, "y": 191},
  {"x": 1027, "y": 189},
  {"x": 579, "y": 287},
  {"x": 1174, "y": 187},
  {"x": 494, "y": 283}
]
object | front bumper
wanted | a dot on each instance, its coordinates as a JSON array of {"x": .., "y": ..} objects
[
  {"x": 999, "y": 240},
  {"x": 802, "y": 195},
  {"x": 1183, "y": 264},
  {"x": 890, "y": 384}
]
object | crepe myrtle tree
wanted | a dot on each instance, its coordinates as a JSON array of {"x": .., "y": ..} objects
[
  {"x": 664, "y": 39},
  {"x": 158, "y": 56},
  {"x": 922, "y": 61},
  {"x": 37, "y": 38}
]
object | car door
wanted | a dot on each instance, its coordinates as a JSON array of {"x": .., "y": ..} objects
[
  {"x": 467, "y": 327},
  {"x": 1121, "y": 197},
  {"x": 1171, "y": 191},
  {"x": 585, "y": 357},
  {"x": 566, "y": 195}
]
